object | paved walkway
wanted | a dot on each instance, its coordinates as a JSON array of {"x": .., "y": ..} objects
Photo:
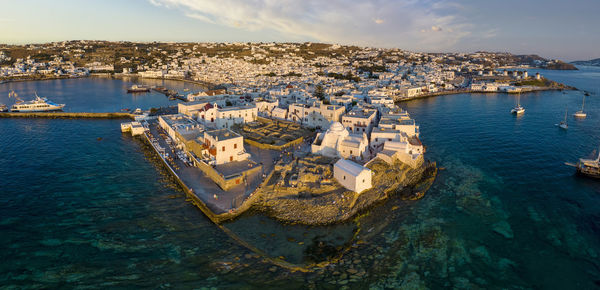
[
  {"x": 206, "y": 189},
  {"x": 202, "y": 186}
]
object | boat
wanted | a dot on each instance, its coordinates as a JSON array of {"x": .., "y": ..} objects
[
  {"x": 563, "y": 123},
  {"x": 3, "y": 108},
  {"x": 588, "y": 167},
  {"x": 581, "y": 113},
  {"x": 518, "y": 109},
  {"x": 138, "y": 89},
  {"x": 38, "y": 104}
]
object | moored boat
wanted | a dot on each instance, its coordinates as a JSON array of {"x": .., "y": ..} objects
[
  {"x": 3, "y": 108},
  {"x": 588, "y": 167},
  {"x": 518, "y": 109},
  {"x": 563, "y": 124},
  {"x": 38, "y": 104},
  {"x": 138, "y": 89},
  {"x": 581, "y": 113}
]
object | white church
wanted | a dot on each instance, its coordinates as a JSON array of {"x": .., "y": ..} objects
[{"x": 338, "y": 142}]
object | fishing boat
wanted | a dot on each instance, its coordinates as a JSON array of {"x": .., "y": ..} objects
[
  {"x": 581, "y": 113},
  {"x": 518, "y": 109},
  {"x": 588, "y": 167},
  {"x": 3, "y": 108},
  {"x": 563, "y": 123},
  {"x": 36, "y": 105}
]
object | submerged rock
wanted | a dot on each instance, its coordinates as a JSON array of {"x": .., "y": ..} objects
[{"x": 503, "y": 228}]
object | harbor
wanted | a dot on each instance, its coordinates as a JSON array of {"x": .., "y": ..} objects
[
  {"x": 67, "y": 115},
  {"x": 134, "y": 208}
]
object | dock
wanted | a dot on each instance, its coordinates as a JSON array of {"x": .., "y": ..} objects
[{"x": 171, "y": 94}]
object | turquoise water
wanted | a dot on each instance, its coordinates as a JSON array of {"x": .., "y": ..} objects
[{"x": 78, "y": 211}]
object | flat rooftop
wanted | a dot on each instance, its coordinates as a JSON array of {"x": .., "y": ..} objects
[{"x": 223, "y": 134}]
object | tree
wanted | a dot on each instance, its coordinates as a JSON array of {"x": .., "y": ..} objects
[{"x": 319, "y": 93}]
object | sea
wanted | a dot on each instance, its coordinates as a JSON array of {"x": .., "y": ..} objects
[{"x": 84, "y": 206}]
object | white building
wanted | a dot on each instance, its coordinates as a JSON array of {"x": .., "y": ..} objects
[
  {"x": 352, "y": 176},
  {"x": 337, "y": 142},
  {"x": 225, "y": 146},
  {"x": 408, "y": 152},
  {"x": 315, "y": 116},
  {"x": 360, "y": 120},
  {"x": 279, "y": 113},
  {"x": 177, "y": 122},
  {"x": 228, "y": 116}
]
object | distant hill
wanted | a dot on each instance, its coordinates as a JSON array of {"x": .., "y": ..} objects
[{"x": 593, "y": 62}]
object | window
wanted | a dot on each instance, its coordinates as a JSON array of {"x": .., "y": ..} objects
[
  {"x": 344, "y": 177},
  {"x": 223, "y": 148},
  {"x": 235, "y": 146},
  {"x": 230, "y": 158},
  {"x": 363, "y": 181}
]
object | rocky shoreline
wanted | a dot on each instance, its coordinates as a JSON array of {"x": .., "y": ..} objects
[{"x": 334, "y": 205}]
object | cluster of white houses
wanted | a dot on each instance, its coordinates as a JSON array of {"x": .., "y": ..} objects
[{"x": 365, "y": 128}]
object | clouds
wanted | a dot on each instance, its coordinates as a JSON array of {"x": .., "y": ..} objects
[{"x": 411, "y": 24}]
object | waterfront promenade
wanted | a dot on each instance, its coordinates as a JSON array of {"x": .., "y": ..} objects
[{"x": 193, "y": 179}]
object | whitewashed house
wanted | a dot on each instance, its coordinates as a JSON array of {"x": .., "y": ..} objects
[
  {"x": 352, "y": 176},
  {"x": 225, "y": 146}
]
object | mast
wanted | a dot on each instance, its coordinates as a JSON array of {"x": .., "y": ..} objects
[
  {"x": 583, "y": 104},
  {"x": 566, "y": 115}
]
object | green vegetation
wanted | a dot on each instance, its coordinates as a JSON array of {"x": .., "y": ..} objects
[
  {"x": 292, "y": 74},
  {"x": 319, "y": 92},
  {"x": 372, "y": 68},
  {"x": 348, "y": 76}
]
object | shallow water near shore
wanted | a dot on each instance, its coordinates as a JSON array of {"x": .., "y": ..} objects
[{"x": 506, "y": 212}]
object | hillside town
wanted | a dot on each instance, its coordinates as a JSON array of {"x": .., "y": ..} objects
[{"x": 255, "y": 68}]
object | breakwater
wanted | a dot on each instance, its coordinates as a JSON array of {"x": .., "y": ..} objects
[{"x": 68, "y": 115}]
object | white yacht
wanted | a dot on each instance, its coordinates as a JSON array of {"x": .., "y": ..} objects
[
  {"x": 581, "y": 113},
  {"x": 37, "y": 105},
  {"x": 518, "y": 109}
]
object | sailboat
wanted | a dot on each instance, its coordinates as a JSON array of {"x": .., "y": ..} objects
[
  {"x": 581, "y": 114},
  {"x": 518, "y": 109},
  {"x": 563, "y": 123}
]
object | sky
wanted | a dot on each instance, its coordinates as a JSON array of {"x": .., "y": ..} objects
[{"x": 566, "y": 30}]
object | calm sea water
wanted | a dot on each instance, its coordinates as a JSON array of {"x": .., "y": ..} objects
[
  {"x": 82, "y": 205},
  {"x": 96, "y": 94}
]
